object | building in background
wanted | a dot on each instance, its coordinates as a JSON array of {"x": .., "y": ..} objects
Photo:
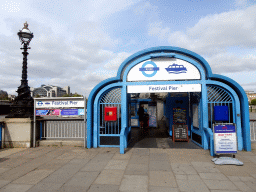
[
  {"x": 49, "y": 91},
  {"x": 250, "y": 95}
]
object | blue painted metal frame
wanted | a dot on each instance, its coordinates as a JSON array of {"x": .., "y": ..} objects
[
  {"x": 1, "y": 127},
  {"x": 97, "y": 109},
  {"x": 206, "y": 77}
]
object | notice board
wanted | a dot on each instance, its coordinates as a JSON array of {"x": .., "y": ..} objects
[
  {"x": 179, "y": 132},
  {"x": 225, "y": 138}
]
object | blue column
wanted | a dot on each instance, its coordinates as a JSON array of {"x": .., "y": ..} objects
[
  {"x": 1, "y": 126},
  {"x": 41, "y": 130},
  {"x": 124, "y": 119},
  {"x": 204, "y": 113}
]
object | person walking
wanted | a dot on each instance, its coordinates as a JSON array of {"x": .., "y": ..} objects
[{"x": 141, "y": 115}]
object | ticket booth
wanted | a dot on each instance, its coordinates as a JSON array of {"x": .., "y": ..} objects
[{"x": 193, "y": 97}]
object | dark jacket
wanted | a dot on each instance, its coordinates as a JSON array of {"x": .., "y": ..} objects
[{"x": 141, "y": 113}]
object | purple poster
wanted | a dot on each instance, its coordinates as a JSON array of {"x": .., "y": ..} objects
[{"x": 67, "y": 112}]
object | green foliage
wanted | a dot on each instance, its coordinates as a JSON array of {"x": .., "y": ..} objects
[
  {"x": 66, "y": 95},
  {"x": 76, "y": 95},
  {"x": 253, "y": 102},
  {"x": 72, "y": 95}
]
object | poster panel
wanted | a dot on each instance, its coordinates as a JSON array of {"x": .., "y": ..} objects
[
  {"x": 47, "y": 112},
  {"x": 225, "y": 139},
  {"x": 69, "y": 112},
  {"x": 80, "y": 111}
]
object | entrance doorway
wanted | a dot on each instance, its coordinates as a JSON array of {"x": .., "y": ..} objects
[{"x": 163, "y": 111}]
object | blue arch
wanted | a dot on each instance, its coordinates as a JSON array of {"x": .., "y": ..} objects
[{"x": 169, "y": 51}]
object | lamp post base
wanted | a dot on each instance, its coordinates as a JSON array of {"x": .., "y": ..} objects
[{"x": 23, "y": 105}]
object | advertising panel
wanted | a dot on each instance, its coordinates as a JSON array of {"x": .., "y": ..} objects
[
  {"x": 80, "y": 111},
  {"x": 69, "y": 112},
  {"x": 225, "y": 139},
  {"x": 47, "y": 112}
]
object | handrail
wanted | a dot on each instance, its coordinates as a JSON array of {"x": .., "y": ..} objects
[{"x": 210, "y": 133}]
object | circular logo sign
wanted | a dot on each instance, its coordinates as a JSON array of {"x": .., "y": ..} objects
[{"x": 150, "y": 67}]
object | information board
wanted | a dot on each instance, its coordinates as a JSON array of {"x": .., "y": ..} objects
[
  {"x": 225, "y": 139},
  {"x": 179, "y": 116},
  {"x": 180, "y": 132}
]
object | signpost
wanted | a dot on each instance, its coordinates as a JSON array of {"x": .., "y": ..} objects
[
  {"x": 225, "y": 139},
  {"x": 59, "y": 107}
]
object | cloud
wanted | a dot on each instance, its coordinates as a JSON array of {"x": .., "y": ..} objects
[
  {"x": 55, "y": 60},
  {"x": 116, "y": 61},
  {"x": 212, "y": 37},
  {"x": 213, "y": 33}
]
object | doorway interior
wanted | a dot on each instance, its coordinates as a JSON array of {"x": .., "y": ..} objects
[{"x": 162, "y": 112}]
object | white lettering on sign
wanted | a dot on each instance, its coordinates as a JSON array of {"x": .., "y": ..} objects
[{"x": 163, "y": 88}]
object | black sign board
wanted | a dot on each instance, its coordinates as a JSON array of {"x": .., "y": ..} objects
[{"x": 180, "y": 132}]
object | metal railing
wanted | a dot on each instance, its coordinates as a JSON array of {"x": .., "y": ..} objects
[
  {"x": 62, "y": 129},
  {"x": 253, "y": 130}
]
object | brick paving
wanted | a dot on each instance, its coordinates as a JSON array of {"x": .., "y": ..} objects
[{"x": 139, "y": 169}]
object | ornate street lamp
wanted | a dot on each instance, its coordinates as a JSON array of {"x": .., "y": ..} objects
[{"x": 23, "y": 104}]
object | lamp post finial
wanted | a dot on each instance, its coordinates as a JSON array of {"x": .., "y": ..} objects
[{"x": 25, "y": 25}]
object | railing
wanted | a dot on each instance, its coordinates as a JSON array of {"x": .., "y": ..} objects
[
  {"x": 253, "y": 129},
  {"x": 62, "y": 129}
]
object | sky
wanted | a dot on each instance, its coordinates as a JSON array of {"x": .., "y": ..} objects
[{"x": 82, "y": 42}]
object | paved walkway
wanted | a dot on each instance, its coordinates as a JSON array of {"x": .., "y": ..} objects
[{"x": 139, "y": 169}]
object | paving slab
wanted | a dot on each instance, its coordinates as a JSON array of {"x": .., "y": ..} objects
[
  {"x": 138, "y": 159},
  {"x": 223, "y": 185},
  {"x": 16, "y": 188},
  {"x": 4, "y": 182},
  {"x": 9, "y": 151},
  {"x": 117, "y": 164},
  {"x": 68, "y": 188},
  {"x": 2, "y": 170},
  {"x": 205, "y": 167},
  {"x": 86, "y": 155},
  {"x": 104, "y": 188},
  {"x": 110, "y": 177},
  {"x": 136, "y": 169},
  {"x": 125, "y": 156},
  {"x": 159, "y": 157},
  {"x": 81, "y": 179},
  {"x": 162, "y": 189},
  {"x": 13, "y": 162},
  {"x": 134, "y": 183},
  {"x": 243, "y": 186},
  {"x": 179, "y": 168},
  {"x": 102, "y": 157},
  {"x": 213, "y": 176},
  {"x": 141, "y": 151},
  {"x": 162, "y": 178},
  {"x": 159, "y": 166},
  {"x": 94, "y": 166},
  {"x": 43, "y": 187},
  {"x": 15, "y": 173},
  {"x": 33, "y": 177},
  {"x": 54, "y": 164}
]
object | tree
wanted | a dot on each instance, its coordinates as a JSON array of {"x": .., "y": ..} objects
[{"x": 253, "y": 102}]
